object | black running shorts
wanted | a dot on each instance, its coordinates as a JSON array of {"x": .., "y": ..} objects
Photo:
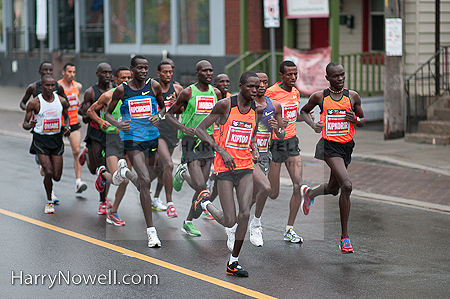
[
  {"x": 233, "y": 175},
  {"x": 283, "y": 149},
  {"x": 47, "y": 144},
  {"x": 335, "y": 149},
  {"x": 148, "y": 147},
  {"x": 194, "y": 150},
  {"x": 114, "y": 146}
]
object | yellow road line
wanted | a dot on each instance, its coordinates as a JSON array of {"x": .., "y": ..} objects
[{"x": 140, "y": 256}]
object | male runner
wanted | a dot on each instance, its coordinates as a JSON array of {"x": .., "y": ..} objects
[
  {"x": 194, "y": 103},
  {"x": 222, "y": 83},
  {"x": 340, "y": 112},
  {"x": 237, "y": 118},
  {"x": 95, "y": 138},
  {"x": 167, "y": 140},
  {"x": 287, "y": 150},
  {"x": 138, "y": 131},
  {"x": 114, "y": 148},
  {"x": 45, "y": 68},
  {"x": 43, "y": 116}
]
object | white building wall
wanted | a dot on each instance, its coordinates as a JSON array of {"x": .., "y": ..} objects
[{"x": 350, "y": 40}]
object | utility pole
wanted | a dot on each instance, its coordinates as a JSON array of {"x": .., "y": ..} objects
[{"x": 394, "y": 94}]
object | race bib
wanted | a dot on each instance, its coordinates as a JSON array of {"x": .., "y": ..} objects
[
  {"x": 73, "y": 102},
  {"x": 337, "y": 125},
  {"x": 204, "y": 104},
  {"x": 140, "y": 108},
  {"x": 239, "y": 137},
  {"x": 51, "y": 125},
  {"x": 290, "y": 112},
  {"x": 262, "y": 141}
]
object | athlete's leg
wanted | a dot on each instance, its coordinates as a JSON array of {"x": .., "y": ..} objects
[
  {"x": 274, "y": 178},
  {"x": 75, "y": 142},
  {"x": 262, "y": 190},
  {"x": 226, "y": 217},
  {"x": 339, "y": 169},
  {"x": 57, "y": 165},
  {"x": 294, "y": 168},
  {"x": 244, "y": 192},
  {"x": 165, "y": 161},
  {"x": 47, "y": 165},
  {"x": 99, "y": 160},
  {"x": 199, "y": 172},
  {"x": 111, "y": 162}
]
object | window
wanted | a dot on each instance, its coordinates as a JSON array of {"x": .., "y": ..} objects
[
  {"x": 377, "y": 25},
  {"x": 194, "y": 22},
  {"x": 156, "y": 22},
  {"x": 123, "y": 21}
]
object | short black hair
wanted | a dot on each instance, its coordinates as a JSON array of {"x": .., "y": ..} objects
[
  {"x": 46, "y": 76},
  {"x": 68, "y": 64},
  {"x": 136, "y": 57},
  {"x": 246, "y": 75},
  {"x": 163, "y": 62},
  {"x": 287, "y": 63},
  {"x": 330, "y": 65},
  {"x": 119, "y": 69},
  {"x": 44, "y": 62}
]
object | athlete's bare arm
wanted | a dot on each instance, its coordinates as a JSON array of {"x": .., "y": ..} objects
[
  {"x": 351, "y": 116},
  {"x": 65, "y": 113},
  {"x": 219, "y": 114},
  {"x": 159, "y": 98},
  {"x": 218, "y": 93},
  {"x": 177, "y": 108},
  {"x": 124, "y": 126},
  {"x": 276, "y": 122},
  {"x": 102, "y": 101},
  {"x": 89, "y": 99},
  {"x": 31, "y": 89},
  {"x": 253, "y": 145},
  {"x": 32, "y": 108},
  {"x": 314, "y": 100}
]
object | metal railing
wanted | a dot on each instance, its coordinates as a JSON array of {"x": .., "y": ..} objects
[
  {"x": 364, "y": 71},
  {"x": 425, "y": 85}
]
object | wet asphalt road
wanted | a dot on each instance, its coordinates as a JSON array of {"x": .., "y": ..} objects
[{"x": 400, "y": 252}]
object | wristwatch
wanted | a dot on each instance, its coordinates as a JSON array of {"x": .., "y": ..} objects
[
  {"x": 358, "y": 119},
  {"x": 280, "y": 129}
]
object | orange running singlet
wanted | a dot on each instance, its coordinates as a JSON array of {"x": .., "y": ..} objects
[
  {"x": 336, "y": 128},
  {"x": 74, "y": 102},
  {"x": 289, "y": 102},
  {"x": 235, "y": 136}
]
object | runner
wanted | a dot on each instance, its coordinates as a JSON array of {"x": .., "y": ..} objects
[
  {"x": 167, "y": 141},
  {"x": 72, "y": 90},
  {"x": 287, "y": 151},
  {"x": 138, "y": 131},
  {"x": 237, "y": 118},
  {"x": 44, "y": 116},
  {"x": 95, "y": 138},
  {"x": 270, "y": 123},
  {"x": 194, "y": 103},
  {"x": 45, "y": 68},
  {"x": 222, "y": 83},
  {"x": 114, "y": 148},
  {"x": 340, "y": 112}
]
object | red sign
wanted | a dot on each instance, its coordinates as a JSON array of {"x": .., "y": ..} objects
[
  {"x": 51, "y": 125},
  {"x": 238, "y": 138},
  {"x": 140, "y": 108},
  {"x": 262, "y": 141},
  {"x": 204, "y": 104}
]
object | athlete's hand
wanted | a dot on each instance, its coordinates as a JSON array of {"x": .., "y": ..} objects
[
  {"x": 154, "y": 120},
  {"x": 124, "y": 126},
  {"x": 105, "y": 125},
  {"x": 172, "y": 98},
  {"x": 228, "y": 161},
  {"x": 66, "y": 131},
  {"x": 311, "y": 113},
  {"x": 255, "y": 154},
  {"x": 350, "y": 116},
  {"x": 33, "y": 123},
  {"x": 317, "y": 127},
  {"x": 190, "y": 132},
  {"x": 273, "y": 124}
]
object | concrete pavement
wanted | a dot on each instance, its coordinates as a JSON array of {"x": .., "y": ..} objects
[{"x": 388, "y": 170}]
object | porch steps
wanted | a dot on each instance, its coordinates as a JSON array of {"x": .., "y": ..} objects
[{"x": 428, "y": 138}]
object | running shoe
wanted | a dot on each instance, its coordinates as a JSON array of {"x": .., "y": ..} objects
[
  {"x": 235, "y": 269},
  {"x": 108, "y": 204},
  {"x": 306, "y": 201},
  {"x": 49, "y": 208},
  {"x": 208, "y": 215},
  {"x": 189, "y": 229},
  {"x": 117, "y": 177},
  {"x": 157, "y": 205},
  {"x": 153, "y": 240},
  {"x": 81, "y": 186},
  {"x": 54, "y": 198},
  {"x": 291, "y": 236},
  {"x": 171, "y": 212},
  {"x": 100, "y": 182},
  {"x": 231, "y": 236},
  {"x": 82, "y": 157},
  {"x": 177, "y": 178},
  {"x": 102, "y": 209},
  {"x": 114, "y": 219},
  {"x": 196, "y": 207},
  {"x": 256, "y": 237},
  {"x": 346, "y": 246}
]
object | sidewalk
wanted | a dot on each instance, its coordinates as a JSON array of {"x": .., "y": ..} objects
[{"x": 391, "y": 170}]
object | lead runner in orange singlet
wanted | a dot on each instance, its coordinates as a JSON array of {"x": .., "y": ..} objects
[{"x": 340, "y": 112}]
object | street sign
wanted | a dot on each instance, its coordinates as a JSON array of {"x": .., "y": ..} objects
[{"x": 271, "y": 14}]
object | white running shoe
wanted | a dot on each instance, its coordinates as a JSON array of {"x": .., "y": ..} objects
[
  {"x": 157, "y": 205},
  {"x": 81, "y": 186},
  {"x": 117, "y": 178},
  {"x": 153, "y": 240},
  {"x": 231, "y": 234},
  {"x": 256, "y": 237},
  {"x": 49, "y": 208}
]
